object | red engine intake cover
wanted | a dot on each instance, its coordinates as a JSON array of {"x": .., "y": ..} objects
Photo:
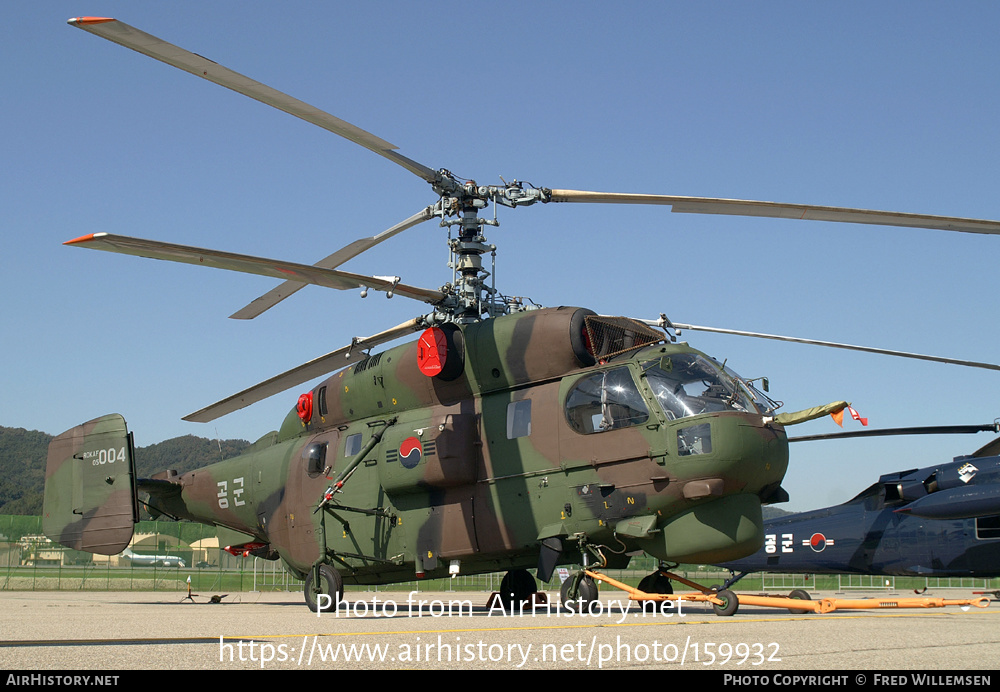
[
  {"x": 305, "y": 407},
  {"x": 432, "y": 351}
]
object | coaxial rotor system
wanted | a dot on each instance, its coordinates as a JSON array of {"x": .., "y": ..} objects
[{"x": 467, "y": 297}]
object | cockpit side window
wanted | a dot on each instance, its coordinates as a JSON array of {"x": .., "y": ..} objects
[{"x": 605, "y": 401}]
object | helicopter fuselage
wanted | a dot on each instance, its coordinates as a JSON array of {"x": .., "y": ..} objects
[{"x": 522, "y": 442}]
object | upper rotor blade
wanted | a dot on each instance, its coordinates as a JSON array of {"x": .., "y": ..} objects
[
  {"x": 278, "y": 269},
  {"x": 832, "y": 344},
  {"x": 741, "y": 207},
  {"x": 147, "y": 44},
  {"x": 287, "y": 288},
  {"x": 315, "y": 368}
]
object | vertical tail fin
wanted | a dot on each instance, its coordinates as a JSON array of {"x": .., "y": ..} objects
[{"x": 90, "y": 502}]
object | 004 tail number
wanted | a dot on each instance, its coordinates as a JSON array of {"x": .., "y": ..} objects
[{"x": 110, "y": 455}]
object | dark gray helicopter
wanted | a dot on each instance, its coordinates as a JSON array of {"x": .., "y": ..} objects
[{"x": 940, "y": 521}]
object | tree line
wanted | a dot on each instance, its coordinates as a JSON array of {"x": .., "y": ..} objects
[{"x": 23, "y": 454}]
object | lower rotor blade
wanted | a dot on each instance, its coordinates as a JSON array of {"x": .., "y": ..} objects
[
  {"x": 885, "y": 432},
  {"x": 831, "y": 344},
  {"x": 742, "y": 207},
  {"x": 317, "y": 367},
  {"x": 287, "y": 288},
  {"x": 277, "y": 269}
]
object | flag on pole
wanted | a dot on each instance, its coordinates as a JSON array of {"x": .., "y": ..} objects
[{"x": 855, "y": 416}]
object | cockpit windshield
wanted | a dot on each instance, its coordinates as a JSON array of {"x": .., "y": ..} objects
[
  {"x": 688, "y": 384},
  {"x": 763, "y": 403}
]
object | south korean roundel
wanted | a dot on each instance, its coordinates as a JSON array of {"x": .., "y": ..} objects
[
  {"x": 410, "y": 452},
  {"x": 818, "y": 542}
]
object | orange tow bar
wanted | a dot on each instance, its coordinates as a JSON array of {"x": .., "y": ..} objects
[{"x": 721, "y": 599}]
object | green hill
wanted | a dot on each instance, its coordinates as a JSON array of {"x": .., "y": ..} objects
[{"x": 23, "y": 453}]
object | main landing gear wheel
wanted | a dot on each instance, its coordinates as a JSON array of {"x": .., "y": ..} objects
[
  {"x": 730, "y": 603},
  {"x": 331, "y": 589},
  {"x": 516, "y": 587},
  {"x": 656, "y": 583},
  {"x": 578, "y": 594},
  {"x": 801, "y": 595}
]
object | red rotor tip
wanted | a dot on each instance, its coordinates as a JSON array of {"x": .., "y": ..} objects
[
  {"x": 90, "y": 20},
  {"x": 81, "y": 239}
]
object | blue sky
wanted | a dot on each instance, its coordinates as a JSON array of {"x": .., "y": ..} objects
[{"x": 886, "y": 105}]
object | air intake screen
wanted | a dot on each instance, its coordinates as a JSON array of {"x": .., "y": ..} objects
[{"x": 610, "y": 336}]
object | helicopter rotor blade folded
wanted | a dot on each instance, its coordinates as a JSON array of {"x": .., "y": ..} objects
[
  {"x": 742, "y": 207},
  {"x": 288, "y": 287},
  {"x": 277, "y": 269},
  {"x": 317, "y": 367},
  {"x": 147, "y": 44},
  {"x": 664, "y": 323}
]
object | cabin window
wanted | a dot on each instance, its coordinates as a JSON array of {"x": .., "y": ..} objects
[
  {"x": 352, "y": 445},
  {"x": 694, "y": 439},
  {"x": 988, "y": 527},
  {"x": 605, "y": 401},
  {"x": 315, "y": 456},
  {"x": 518, "y": 419}
]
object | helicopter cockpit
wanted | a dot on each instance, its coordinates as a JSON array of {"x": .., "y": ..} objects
[
  {"x": 688, "y": 384},
  {"x": 684, "y": 385}
]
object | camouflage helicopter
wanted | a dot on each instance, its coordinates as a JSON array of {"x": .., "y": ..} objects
[{"x": 506, "y": 437}]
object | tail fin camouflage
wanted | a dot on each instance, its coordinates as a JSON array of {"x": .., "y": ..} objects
[{"x": 90, "y": 500}]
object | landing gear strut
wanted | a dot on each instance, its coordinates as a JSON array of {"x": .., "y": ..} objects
[{"x": 580, "y": 589}]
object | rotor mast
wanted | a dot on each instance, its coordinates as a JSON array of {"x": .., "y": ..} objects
[{"x": 471, "y": 298}]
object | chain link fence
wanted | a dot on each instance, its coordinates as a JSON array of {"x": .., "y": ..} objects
[{"x": 177, "y": 556}]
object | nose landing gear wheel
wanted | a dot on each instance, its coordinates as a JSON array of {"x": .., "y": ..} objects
[
  {"x": 578, "y": 592},
  {"x": 331, "y": 589}
]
